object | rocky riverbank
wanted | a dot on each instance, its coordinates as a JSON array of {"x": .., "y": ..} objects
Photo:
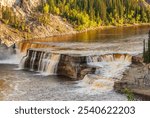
[{"x": 134, "y": 80}]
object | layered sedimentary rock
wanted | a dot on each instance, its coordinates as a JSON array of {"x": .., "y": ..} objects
[
  {"x": 49, "y": 63},
  {"x": 71, "y": 65},
  {"x": 74, "y": 66}
]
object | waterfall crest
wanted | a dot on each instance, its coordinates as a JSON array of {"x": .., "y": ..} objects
[
  {"x": 110, "y": 68},
  {"x": 45, "y": 63},
  {"x": 109, "y": 58},
  {"x": 111, "y": 65},
  {"x": 75, "y": 66}
]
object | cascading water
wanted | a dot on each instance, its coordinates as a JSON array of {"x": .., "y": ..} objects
[
  {"x": 9, "y": 55},
  {"x": 48, "y": 64},
  {"x": 43, "y": 62},
  {"x": 22, "y": 62},
  {"x": 111, "y": 68}
]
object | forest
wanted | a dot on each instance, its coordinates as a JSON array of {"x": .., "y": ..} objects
[
  {"x": 90, "y": 13},
  {"x": 83, "y": 14}
]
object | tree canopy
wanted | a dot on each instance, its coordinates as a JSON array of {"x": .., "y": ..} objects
[{"x": 88, "y": 13}]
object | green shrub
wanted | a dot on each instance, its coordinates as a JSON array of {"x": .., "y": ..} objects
[
  {"x": 129, "y": 94},
  {"x": 9, "y": 18}
]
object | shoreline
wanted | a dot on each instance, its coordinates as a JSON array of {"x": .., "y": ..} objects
[
  {"x": 75, "y": 32},
  {"x": 133, "y": 80},
  {"x": 92, "y": 29},
  {"x": 112, "y": 26}
]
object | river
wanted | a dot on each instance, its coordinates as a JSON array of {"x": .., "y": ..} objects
[{"x": 16, "y": 84}]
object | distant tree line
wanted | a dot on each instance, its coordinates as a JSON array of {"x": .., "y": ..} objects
[
  {"x": 83, "y": 14},
  {"x": 88, "y": 13}
]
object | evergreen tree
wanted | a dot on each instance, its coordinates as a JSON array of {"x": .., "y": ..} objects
[
  {"x": 90, "y": 13},
  {"x": 146, "y": 50},
  {"x": 149, "y": 48}
]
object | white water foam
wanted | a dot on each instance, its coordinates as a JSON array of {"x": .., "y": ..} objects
[
  {"x": 110, "y": 70},
  {"x": 46, "y": 63},
  {"x": 14, "y": 59},
  {"x": 94, "y": 84}
]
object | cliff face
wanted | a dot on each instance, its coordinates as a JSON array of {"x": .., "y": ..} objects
[
  {"x": 24, "y": 5},
  {"x": 148, "y": 1},
  {"x": 10, "y": 3}
]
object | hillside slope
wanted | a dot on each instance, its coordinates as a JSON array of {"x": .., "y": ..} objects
[
  {"x": 24, "y": 19},
  {"x": 25, "y": 10},
  {"x": 148, "y": 1}
]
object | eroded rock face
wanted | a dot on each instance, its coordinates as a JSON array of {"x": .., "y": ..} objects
[
  {"x": 21, "y": 7},
  {"x": 10, "y": 3},
  {"x": 72, "y": 66},
  {"x": 27, "y": 5},
  {"x": 137, "y": 60}
]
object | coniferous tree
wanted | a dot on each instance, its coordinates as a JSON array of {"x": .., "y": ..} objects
[
  {"x": 144, "y": 51},
  {"x": 89, "y": 13},
  {"x": 149, "y": 48}
]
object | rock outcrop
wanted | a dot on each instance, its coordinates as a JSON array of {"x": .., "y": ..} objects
[
  {"x": 74, "y": 66},
  {"x": 25, "y": 9},
  {"x": 50, "y": 63},
  {"x": 135, "y": 81}
]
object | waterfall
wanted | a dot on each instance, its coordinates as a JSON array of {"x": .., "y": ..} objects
[
  {"x": 45, "y": 63},
  {"x": 22, "y": 62},
  {"x": 48, "y": 64},
  {"x": 109, "y": 58},
  {"x": 92, "y": 59},
  {"x": 110, "y": 69},
  {"x": 111, "y": 65},
  {"x": 33, "y": 57}
]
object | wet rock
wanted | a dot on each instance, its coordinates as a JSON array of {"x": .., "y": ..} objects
[
  {"x": 74, "y": 66},
  {"x": 137, "y": 60},
  {"x": 134, "y": 80},
  {"x": 119, "y": 86}
]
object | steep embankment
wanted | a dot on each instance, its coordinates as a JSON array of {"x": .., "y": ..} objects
[
  {"x": 24, "y": 9},
  {"x": 9, "y": 35}
]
